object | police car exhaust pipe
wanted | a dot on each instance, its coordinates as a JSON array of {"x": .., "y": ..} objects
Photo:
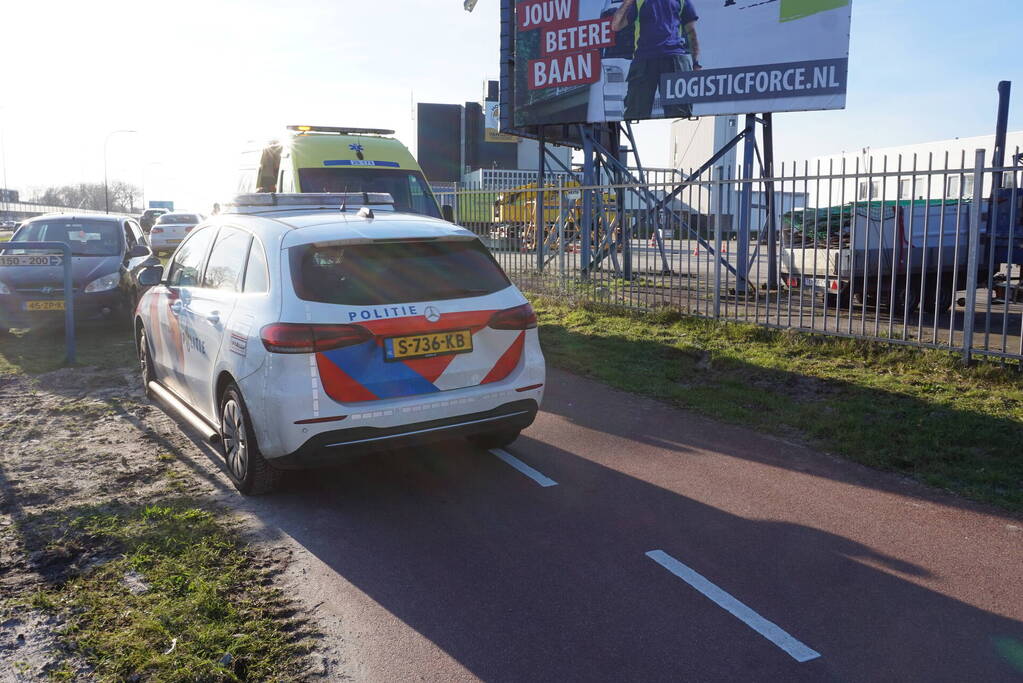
[{"x": 185, "y": 413}]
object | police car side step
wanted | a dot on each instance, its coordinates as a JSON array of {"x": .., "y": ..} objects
[{"x": 196, "y": 421}]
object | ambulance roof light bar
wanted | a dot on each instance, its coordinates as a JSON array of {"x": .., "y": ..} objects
[{"x": 341, "y": 131}]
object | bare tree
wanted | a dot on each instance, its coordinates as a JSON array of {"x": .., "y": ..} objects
[{"x": 124, "y": 197}]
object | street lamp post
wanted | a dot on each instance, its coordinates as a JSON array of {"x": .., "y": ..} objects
[
  {"x": 3, "y": 165},
  {"x": 106, "y": 189}
]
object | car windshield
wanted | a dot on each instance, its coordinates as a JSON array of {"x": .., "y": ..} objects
[
  {"x": 189, "y": 218},
  {"x": 85, "y": 237},
  {"x": 408, "y": 188},
  {"x": 394, "y": 272}
]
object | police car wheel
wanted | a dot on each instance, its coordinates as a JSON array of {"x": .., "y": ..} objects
[
  {"x": 145, "y": 361},
  {"x": 498, "y": 439},
  {"x": 248, "y": 469}
]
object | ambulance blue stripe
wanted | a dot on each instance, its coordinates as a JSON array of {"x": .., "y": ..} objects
[
  {"x": 349, "y": 162},
  {"x": 365, "y": 364}
]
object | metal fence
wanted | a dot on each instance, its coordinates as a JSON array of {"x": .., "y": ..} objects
[{"x": 919, "y": 251}]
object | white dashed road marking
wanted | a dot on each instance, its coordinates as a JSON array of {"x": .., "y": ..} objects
[
  {"x": 797, "y": 650},
  {"x": 524, "y": 468}
]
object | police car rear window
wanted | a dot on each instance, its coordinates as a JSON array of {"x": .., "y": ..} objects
[{"x": 394, "y": 272}]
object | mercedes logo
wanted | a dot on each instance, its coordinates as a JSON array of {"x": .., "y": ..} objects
[{"x": 431, "y": 314}]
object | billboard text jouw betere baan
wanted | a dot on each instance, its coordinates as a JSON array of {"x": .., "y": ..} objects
[{"x": 607, "y": 60}]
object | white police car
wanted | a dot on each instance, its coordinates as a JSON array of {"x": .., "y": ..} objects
[{"x": 297, "y": 330}]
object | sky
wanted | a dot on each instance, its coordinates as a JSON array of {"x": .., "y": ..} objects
[{"x": 196, "y": 79}]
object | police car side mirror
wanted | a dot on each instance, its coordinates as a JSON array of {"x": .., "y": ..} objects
[
  {"x": 150, "y": 276},
  {"x": 448, "y": 212}
]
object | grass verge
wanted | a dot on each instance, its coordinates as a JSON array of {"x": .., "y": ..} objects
[
  {"x": 180, "y": 601},
  {"x": 105, "y": 344},
  {"x": 916, "y": 412}
]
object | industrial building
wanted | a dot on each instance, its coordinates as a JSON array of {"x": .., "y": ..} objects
[{"x": 456, "y": 141}]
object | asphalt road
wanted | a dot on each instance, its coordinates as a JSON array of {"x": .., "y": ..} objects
[{"x": 776, "y": 563}]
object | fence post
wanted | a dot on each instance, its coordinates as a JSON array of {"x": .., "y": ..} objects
[
  {"x": 561, "y": 227},
  {"x": 717, "y": 246},
  {"x": 454, "y": 200},
  {"x": 972, "y": 257},
  {"x": 541, "y": 215}
]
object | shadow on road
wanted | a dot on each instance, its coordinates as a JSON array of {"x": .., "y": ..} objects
[{"x": 517, "y": 582}]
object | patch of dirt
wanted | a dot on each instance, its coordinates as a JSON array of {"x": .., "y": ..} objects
[
  {"x": 77, "y": 440},
  {"x": 30, "y": 647}
]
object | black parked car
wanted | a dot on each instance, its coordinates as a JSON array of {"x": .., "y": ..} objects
[
  {"x": 149, "y": 216},
  {"x": 107, "y": 252}
]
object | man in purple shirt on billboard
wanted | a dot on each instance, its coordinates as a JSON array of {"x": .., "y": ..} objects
[{"x": 666, "y": 43}]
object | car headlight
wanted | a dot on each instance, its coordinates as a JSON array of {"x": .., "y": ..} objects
[
  {"x": 4, "y": 289},
  {"x": 103, "y": 284}
]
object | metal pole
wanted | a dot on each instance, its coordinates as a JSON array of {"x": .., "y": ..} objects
[
  {"x": 454, "y": 209},
  {"x": 717, "y": 245},
  {"x": 585, "y": 228},
  {"x": 69, "y": 294},
  {"x": 561, "y": 229},
  {"x": 972, "y": 256},
  {"x": 106, "y": 189},
  {"x": 540, "y": 217},
  {"x": 3, "y": 164},
  {"x": 997, "y": 161},
  {"x": 106, "y": 142},
  {"x": 745, "y": 206},
  {"x": 624, "y": 228},
  {"x": 772, "y": 227},
  {"x": 1001, "y": 130},
  {"x": 69, "y": 307}
]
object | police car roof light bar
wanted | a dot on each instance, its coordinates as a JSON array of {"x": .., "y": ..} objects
[{"x": 264, "y": 201}]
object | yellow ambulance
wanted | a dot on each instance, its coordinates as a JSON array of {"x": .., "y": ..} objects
[{"x": 333, "y": 159}]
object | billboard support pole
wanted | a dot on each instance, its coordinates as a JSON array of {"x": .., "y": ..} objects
[
  {"x": 625, "y": 230},
  {"x": 585, "y": 230},
  {"x": 745, "y": 204},
  {"x": 997, "y": 162},
  {"x": 772, "y": 227}
]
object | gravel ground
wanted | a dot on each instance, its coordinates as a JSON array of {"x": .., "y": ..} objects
[{"x": 83, "y": 438}]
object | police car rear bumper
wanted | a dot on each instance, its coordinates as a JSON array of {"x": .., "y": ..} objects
[{"x": 343, "y": 444}]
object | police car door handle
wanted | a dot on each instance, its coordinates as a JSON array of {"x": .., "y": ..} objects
[
  {"x": 176, "y": 307},
  {"x": 213, "y": 318}
]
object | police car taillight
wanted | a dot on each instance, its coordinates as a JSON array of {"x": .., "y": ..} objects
[
  {"x": 300, "y": 338},
  {"x": 518, "y": 318}
]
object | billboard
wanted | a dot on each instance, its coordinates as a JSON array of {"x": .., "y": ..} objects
[
  {"x": 579, "y": 61},
  {"x": 492, "y": 126}
]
